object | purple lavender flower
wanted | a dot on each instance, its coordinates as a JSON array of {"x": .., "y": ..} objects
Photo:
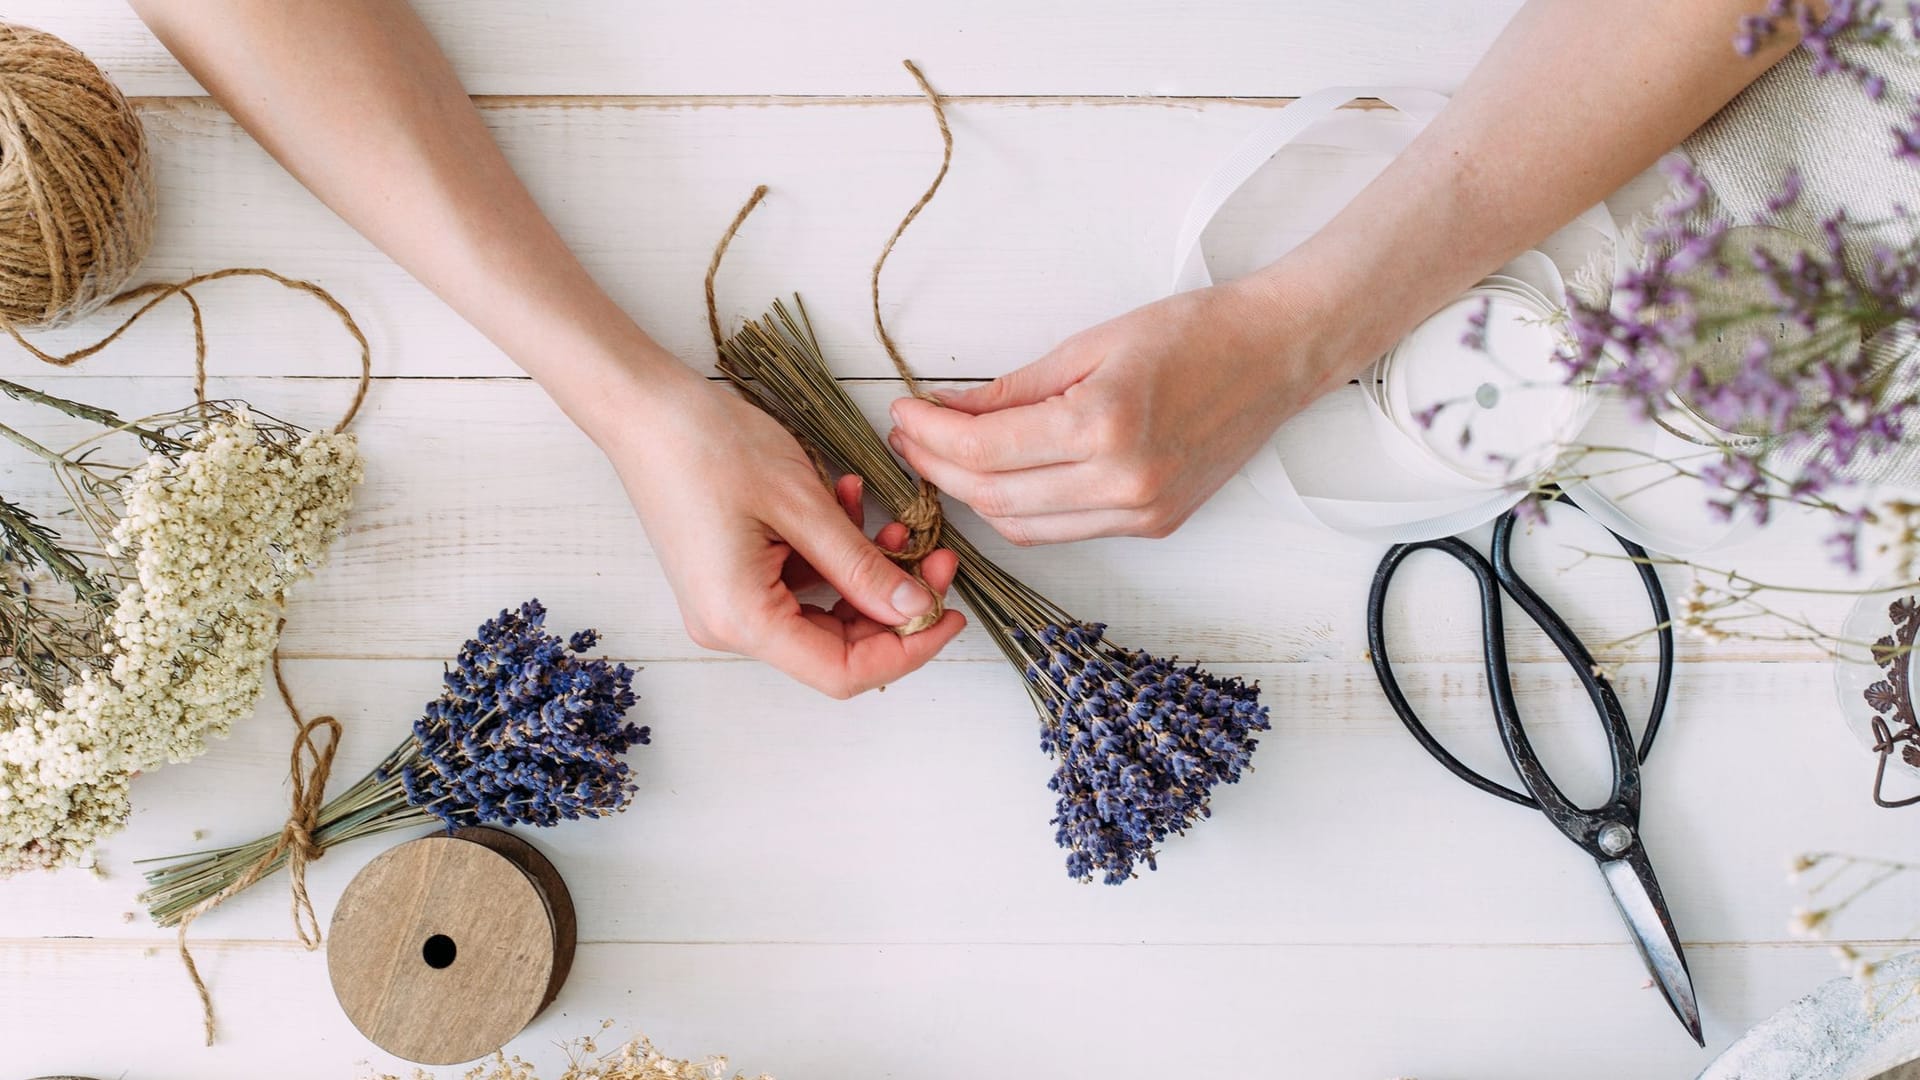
[
  {"x": 526, "y": 731},
  {"x": 1139, "y": 744}
]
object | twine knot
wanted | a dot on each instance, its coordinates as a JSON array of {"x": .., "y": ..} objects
[
  {"x": 924, "y": 521},
  {"x": 308, "y": 767},
  {"x": 921, "y": 514}
]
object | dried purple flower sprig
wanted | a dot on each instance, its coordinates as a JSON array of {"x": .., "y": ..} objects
[
  {"x": 1819, "y": 397},
  {"x": 525, "y": 731},
  {"x": 1831, "y": 36},
  {"x": 1139, "y": 742}
]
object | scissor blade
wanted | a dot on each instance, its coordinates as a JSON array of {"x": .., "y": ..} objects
[{"x": 1637, "y": 896}]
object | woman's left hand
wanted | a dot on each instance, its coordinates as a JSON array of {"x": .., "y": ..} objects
[{"x": 1126, "y": 428}]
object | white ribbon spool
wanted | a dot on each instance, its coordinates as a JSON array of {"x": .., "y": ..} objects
[{"x": 1377, "y": 478}]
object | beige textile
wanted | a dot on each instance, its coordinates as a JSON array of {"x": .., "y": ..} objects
[{"x": 1842, "y": 144}]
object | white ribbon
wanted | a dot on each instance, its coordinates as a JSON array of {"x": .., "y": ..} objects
[{"x": 1368, "y": 518}]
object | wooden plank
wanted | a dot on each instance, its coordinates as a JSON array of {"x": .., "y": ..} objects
[
  {"x": 920, "y": 815},
  {"x": 1047, "y": 225},
  {"x": 852, "y": 1012},
  {"x": 1130, "y": 47},
  {"x": 479, "y": 494}
]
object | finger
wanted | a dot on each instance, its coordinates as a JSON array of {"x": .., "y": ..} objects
[
  {"x": 1038, "y": 381},
  {"x": 833, "y": 662},
  {"x": 1081, "y": 525},
  {"x": 1049, "y": 489},
  {"x": 1048, "y": 433},
  {"x": 937, "y": 568},
  {"x": 853, "y": 564},
  {"x": 850, "y": 491},
  {"x": 853, "y": 625}
]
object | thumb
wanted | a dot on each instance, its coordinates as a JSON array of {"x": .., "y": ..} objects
[
  {"x": 1046, "y": 377},
  {"x": 854, "y": 565}
]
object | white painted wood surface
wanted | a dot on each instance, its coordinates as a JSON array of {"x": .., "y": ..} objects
[{"x": 869, "y": 889}]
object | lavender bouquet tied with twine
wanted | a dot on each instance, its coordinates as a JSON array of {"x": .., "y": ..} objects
[
  {"x": 525, "y": 731},
  {"x": 1138, "y": 742}
]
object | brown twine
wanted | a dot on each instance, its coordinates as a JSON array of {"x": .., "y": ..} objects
[
  {"x": 923, "y": 518},
  {"x": 76, "y": 184},
  {"x": 308, "y": 766},
  {"x": 946, "y": 161},
  {"x": 158, "y": 292},
  {"x": 308, "y": 779},
  {"x": 713, "y": 317},
  {"x": 76, "y": 219}
]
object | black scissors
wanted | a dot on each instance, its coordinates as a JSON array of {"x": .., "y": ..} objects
[{"x": 1609, "y": 832}]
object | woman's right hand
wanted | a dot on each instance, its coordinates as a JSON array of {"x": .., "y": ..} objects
[{"x": 740, "y": 523}]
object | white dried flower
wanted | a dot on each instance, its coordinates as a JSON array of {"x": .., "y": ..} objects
[
  {"x": 211, "y": 538},
  {"x": 1806, "y": 922}
]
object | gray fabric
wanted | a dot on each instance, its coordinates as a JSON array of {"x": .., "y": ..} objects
[{"x": 1841, "y": 142}]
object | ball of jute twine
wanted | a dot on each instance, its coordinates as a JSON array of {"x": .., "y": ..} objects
[{"x": 76, "y": 186}]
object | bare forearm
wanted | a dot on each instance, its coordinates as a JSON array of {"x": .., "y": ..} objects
[
  {"x": 358, "y": 102},
  {"x": 1573, "y": 100}
]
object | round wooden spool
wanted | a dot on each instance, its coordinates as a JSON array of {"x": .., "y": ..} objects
[{"x": 444, "y": 948}]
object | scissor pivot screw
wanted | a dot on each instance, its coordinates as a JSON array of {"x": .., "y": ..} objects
[{"x": 1615, "y": 838}]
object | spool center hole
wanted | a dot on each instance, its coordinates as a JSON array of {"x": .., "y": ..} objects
[{"x": 438, "y": 952}]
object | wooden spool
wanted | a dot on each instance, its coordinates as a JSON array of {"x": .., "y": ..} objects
[{"x": 444, "y": 948}]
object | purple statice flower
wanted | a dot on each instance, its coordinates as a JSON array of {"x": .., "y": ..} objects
[
  {"x": 1817, "y": 389},
  {"x": 1906, "y": 137},
  {"x": 1139, "y": 743},
  {"x": 1862, "y": 22},
  {"x": 1475, "y": 335},
  {"x": 526, "y": 730},
  {"x": 1846, "y": 24}
]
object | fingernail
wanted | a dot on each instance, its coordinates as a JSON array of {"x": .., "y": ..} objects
[
  {"x": 912, "y": 599},
  {"x": 893, "y": 410},
  {"x": 893, "y": 440}
]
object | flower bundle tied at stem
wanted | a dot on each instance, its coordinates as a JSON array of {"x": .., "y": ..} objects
[{"x": 1138, "y": 742}]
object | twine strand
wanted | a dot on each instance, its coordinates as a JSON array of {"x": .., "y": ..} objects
[
  {"x": 309, "y": 764},
  {"x": 946, "y": 161},
  {"x": 158, "y": 292},
  {"x": 76, "y": 218},
  {"x": 923, "y": 518}
]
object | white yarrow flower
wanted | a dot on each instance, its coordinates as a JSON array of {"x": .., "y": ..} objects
[{"x": 210, "y": 540}]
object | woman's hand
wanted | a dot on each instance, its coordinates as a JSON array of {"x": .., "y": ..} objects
[
  {"x": 741, "y": 523},
  {"x": 1124, "y": 429}
]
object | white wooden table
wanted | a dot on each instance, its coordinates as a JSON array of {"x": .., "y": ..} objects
[{"x": 870, "y": 889}]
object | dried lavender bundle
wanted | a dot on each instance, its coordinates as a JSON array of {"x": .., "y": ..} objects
[
  {"x": 1139, "y": 741},
  {"x": 526, "y": 730}
]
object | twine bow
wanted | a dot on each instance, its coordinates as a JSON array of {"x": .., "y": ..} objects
[{"x": 308, "y": 767}]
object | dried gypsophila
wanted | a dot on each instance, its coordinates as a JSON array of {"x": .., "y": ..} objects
[
  {"x": 635, "y": 1059},
  {"x": 1832, "y": 882},
  {"x": 212, "y": 529}
]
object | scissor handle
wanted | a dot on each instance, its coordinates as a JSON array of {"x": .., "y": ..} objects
[{"x": 1579, "y": 824}]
